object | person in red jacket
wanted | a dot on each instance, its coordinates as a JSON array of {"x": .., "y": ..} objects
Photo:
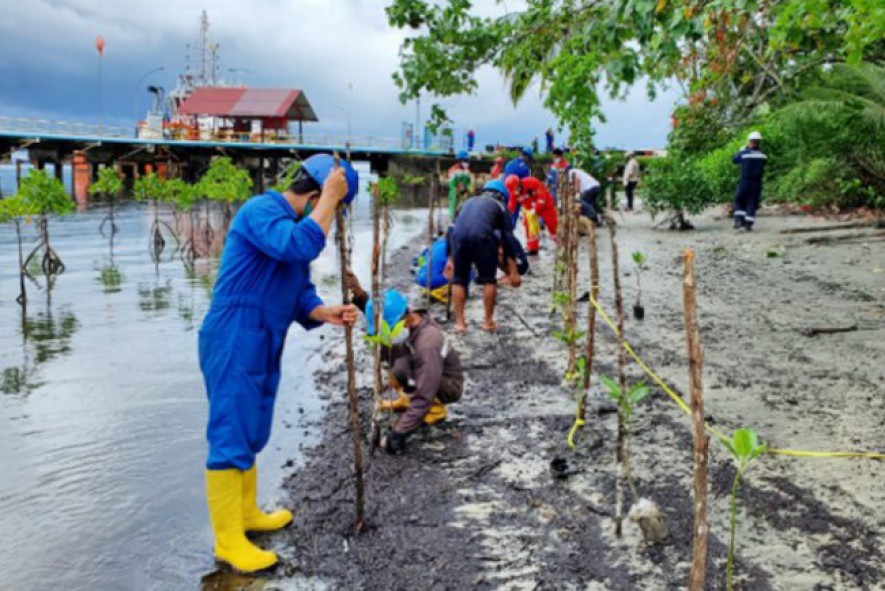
[
  {"x": 498, "y": 169},
  {"x": 534, "y": 197}
]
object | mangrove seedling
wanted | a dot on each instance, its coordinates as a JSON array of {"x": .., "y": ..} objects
[
  {"x": 638, "y": 309},
  {"x": 44, "y": 195},
  {"x": 183, "y": 197},
  {"x": 109, "y": 186},
  {"x": 744, "y": 447},
  {"x": 227, "y": 184},
  {"x": 626, "y": 402},
  {"x": 16, "y": 210},
  {"x": 560, "y": 301},
  {"x": 568, "y": 337},
  {"x": 388, "y": 192},
  {"x": 151, "y": 187}
]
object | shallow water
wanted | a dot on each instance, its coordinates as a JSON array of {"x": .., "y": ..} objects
[{"x": 102, "y": 408}]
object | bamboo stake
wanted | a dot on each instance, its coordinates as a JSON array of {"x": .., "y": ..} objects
[
  {"x": 701, "y": 440},
  {"x": 561, "y": 233},
  {"x": 376, "y": 318},
  {"x": 353, "y": 409},
  {"x": 573, "y": 286},
  {"x": 385, "y": 221},
  {"x": 429, "y": 260},
  {"x": 591, "y": 316},
  {"x": 437, "y": 186},
  {"x": 622, "y": 379}
]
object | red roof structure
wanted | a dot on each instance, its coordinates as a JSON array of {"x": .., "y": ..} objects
[{"x": 249, "y": 103}]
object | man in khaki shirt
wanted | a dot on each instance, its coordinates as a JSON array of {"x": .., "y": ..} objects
[{"x": 631, "y": 178}]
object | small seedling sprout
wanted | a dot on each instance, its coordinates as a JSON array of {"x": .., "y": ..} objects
[
  {"x": 639, "y": 260},
  {"x": 744, "y": 447},
  {"x": 627, "y": 403}
]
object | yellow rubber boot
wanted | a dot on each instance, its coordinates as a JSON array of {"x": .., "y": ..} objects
[
  {"x": 399, "y": 405},
  {"x": 224, "y": 493},
  {"x": 254, "y": 519},
  {"x": 436, "y": 413}
]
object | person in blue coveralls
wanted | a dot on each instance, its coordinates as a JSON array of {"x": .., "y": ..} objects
[
  {"x": 263, "y": 286},
  {"x": 749, "y": 190},
  {"x": 521, "y": 166}
]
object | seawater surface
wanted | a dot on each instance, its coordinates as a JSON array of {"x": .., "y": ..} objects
[{"x": 102, "y": 407}]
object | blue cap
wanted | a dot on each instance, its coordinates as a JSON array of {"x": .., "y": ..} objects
[
  {"x": 319, "y": 166},
  {"x": 395, "y": 307},
  {"x": 499, "y": 186},
  {"x": 527, "y": 150},
  {"x": 463, "y": 155}
]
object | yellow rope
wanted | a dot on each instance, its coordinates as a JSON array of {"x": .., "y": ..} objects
[
  {"x": 682, "y": 404},
  {"x": 579, "y": 422}
]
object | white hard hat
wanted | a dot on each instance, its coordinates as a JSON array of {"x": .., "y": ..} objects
[{"x": 754, "y": 136}]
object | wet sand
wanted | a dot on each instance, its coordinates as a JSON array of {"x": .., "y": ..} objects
[{"x": 473, "y": 505}]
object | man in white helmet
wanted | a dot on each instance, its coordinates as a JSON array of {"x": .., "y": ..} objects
[{"x": 749, "y": 190}]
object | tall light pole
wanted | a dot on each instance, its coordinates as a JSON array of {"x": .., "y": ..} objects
[
  {"x": 346, "y": 114},
  {"x": 417, "y": 131},
  {"x": 99, "y": 46},
  {"x": 135, "y": 94}
]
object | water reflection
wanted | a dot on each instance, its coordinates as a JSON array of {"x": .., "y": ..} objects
[
  {"x": 155, "y": 298},
  {"x": 111, "y": 278},
  {"x": 224, "y": 580},
  {"x": 103, "y": 420},
  {"x": 44, "y": 336}
]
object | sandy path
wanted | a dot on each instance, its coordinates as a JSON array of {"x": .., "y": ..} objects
[{"x": 473, "y": 505}]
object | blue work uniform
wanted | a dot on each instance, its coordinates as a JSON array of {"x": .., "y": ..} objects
[
  {"x": 521, "y": 169},
  {"x": 749, "y": 189},
  {"x": 438, "y": 260},
  {"x": 481, "y": 225},
  {"x": 263, "y": 286}
]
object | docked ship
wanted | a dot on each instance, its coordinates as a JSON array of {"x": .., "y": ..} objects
[{"x": 208, "y": 107}]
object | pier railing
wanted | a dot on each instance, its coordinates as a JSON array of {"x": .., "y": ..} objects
[
  {"x": 89, "y": 131},
  {"x": 62, "y": 128}
]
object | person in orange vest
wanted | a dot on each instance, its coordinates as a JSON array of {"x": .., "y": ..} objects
[
  {"x": 497, "y": 169},
  {"x": 537, "y": 202}
]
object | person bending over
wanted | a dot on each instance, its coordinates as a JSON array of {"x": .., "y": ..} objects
[{"x": 474, "y": 244}]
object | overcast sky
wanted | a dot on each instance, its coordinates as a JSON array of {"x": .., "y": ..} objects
[{"x": 340, "y": 52}]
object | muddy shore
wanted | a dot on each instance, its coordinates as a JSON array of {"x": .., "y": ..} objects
[{"x": 473, "y": 505}]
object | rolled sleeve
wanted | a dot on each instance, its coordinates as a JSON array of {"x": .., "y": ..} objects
[{"x": 308, "y": 301}]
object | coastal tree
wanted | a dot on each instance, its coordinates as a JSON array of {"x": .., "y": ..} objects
[
  {"x": 108, "y": 185},
  {"x": 153, "y": 188},
  {"x": 226, "y": 184},
  {"x": 580, "y": 51},
  {"x": 18, "y": 211},
  {"x": 45, "y": 196}
]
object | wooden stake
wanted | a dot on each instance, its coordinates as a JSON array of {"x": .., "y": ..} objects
[
  {"x": 701, "y": 440},
  {"x": 622, "y": 379},
  {"x": 377, "y": 306},
  {"x": 591, "y": 315},
  {"x": 572, "y": 280},
  {"x": 561, "y": 233},
  {"x": 353, "y": 408},
  {"x": 428, "y": 262}
]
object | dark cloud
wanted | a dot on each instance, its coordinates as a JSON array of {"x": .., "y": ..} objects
[{"x": 341, "y": 53}]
